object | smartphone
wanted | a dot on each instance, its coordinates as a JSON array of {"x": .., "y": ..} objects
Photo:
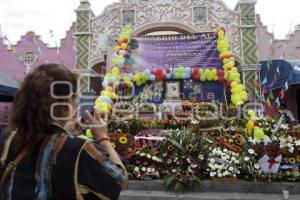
[{"x": 87, "y": 102}]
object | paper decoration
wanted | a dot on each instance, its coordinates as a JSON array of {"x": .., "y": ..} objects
[
  {"x": 268, "y": 102},
  {"x": 281, "y": 94},
  {"x": 286, "y": 85},
  {"x": 271, "y": 95},
  {"x": 264, "y": 90},
  {"x": 269, "y": 165},
  {"x": 274, "y": 79},
  {"x": 277, "y": 70},
  {"x": 269, "y": 64},
  {"x": 263, "y": 98},
  {"x": 277, "y": 102},
  {"x": 265, "y": 81}
]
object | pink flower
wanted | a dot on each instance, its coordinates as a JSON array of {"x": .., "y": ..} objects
[
  {"x": 193, "y": 165},
  {"x": 188, "y": 160}
]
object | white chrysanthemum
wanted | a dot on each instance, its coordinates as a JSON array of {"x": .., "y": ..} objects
[
  {"x": 297, "y": 143},
  {"x": 251, "y": 151},
  {"x": 256, "y": 166},
  {"x": 246, "y": 158},
  {"x": 148, "y": 156},
  {"x": 201, "y": 157},
  {"x": 212, "y": 174},
  {"x": 291, "y": 149},
  {"x": 143, "y": 169},
  {"x": 136, "y": 169},
  {"x": 142, "y": 154},
  {"x": 284, "y": 126},
  {"x": 290, "y": 139},
  {"x": 230, "y": 169}
]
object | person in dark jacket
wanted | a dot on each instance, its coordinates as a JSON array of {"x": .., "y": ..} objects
[{"x": 56, "y": 164}]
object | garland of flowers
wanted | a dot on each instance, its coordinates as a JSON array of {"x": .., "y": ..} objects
[{"x": 113, "y": 79}]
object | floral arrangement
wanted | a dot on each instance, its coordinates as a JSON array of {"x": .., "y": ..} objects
[
  {"x": 184, "y": 159},
  {"x": 124, "y": 144},
  {"x": 145, "y": 165},
  {"x": 183, "y": 152},
  {"x": 183, "y": 155},
  {"x": 223, "y": 163}
]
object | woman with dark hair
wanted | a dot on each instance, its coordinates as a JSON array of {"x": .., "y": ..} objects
[{"x": 42, "y": 160}]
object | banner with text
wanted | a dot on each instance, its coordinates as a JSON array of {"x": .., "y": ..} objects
[{"x": 169, "y": 51}]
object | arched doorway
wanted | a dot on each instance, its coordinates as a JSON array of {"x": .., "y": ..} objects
[
  {"x": 298, "y": 103},
  {"x": 95, "y": 84}
]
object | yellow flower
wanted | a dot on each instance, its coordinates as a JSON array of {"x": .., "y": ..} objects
[
  {"x": 113, "y": 145},
  {"x": 292, "y": 160},
  {"x": 170, "y": 148},
  {"x": 230, "y": 140},
  {"x": 189, "y": 147},
  {"x": 123, "y": 140},
  {"x": 239, "y": 136},
  {"x": 239, "y": 142}
]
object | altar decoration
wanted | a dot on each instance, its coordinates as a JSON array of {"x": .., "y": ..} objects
[
  {"x": 183, "y": 153},
  {"x": 210, "y": 139},
  {"x": 115, "y": 80},
  {"x": 238, "y": 94}
]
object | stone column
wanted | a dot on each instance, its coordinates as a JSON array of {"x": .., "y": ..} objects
[
  {"x": 83, "y": 38},
  {"x": 250, "y": 63}
]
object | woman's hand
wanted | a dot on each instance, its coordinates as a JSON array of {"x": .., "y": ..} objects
[
  {"x": 73, "y": 125},
  {"x": 97, "y": 125}
]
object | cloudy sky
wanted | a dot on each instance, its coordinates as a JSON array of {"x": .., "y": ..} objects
[{"x": 19, "y": 16}]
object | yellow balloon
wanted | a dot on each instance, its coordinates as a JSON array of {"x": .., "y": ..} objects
[
  {"x": 115, "y": 70},
  {"x": 181, "y": 70},
  {"x": 249, "y": 126},
  {"x": 109, "y": 88},
  {"x": 117, "y": 48},
  {"x": 259, "y": 133},
  {"x": 114, "y": 61},
  {"x": 124, "y": 46}
]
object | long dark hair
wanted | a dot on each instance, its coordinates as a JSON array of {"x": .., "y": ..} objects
[{"x": 32, "y": 104}]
